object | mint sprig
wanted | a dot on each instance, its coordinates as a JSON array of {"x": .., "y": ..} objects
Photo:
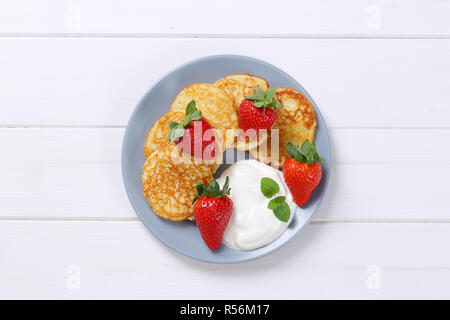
[
  {"x": 280, "y": 208},
  {"x": 269, "y": 187},
  {"x": 275, "y": 202},
  {"x": 307, "y": 153},
  {"x": 264, "y": 99},
  {"x": 278, "y": 205},
  {"x": 177, "y": 129},
  {"x": 282, "y": 212},
  {"x": 213, "y": 189}
]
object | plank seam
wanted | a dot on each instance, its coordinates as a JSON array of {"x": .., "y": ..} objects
[
  {"x": 136, "y": 219},
  {"x": 224, "y": 36}
]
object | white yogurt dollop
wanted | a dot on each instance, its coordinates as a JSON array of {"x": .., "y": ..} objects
[{"x": 252, "y": 224}]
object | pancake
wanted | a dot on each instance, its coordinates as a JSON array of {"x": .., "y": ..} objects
[
  {"x": 296, "y": 122},
  {"x": 157, "y": 136},
  {"x": 246, "y": 143},
  {"x": 216, "y": 107},
  {"x": 240, "y": 85},
  {"x": 169, "y": 183}
]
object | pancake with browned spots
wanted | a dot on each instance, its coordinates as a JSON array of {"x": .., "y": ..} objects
[
  {"x": 216, "y": 106},
  {"x": 169, "y": 178},
  {"x": 296, "y": 122},
  {"x": 157, "y": 136},
  {"x": 239, "y": 86}
]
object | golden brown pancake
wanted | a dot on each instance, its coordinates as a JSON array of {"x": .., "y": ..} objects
[
  {"x": 296, "y": 122},
  {"x": 248, "y": 142},
  {"x": 240, "y": 85},
  {"x": 169, "y": 183},
  {"x": 216, "y": 106},
  {"x": 157, "y": 136}
]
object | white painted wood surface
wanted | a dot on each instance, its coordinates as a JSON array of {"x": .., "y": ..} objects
[
  {"x": 71, "y": 72},
  {"x": 233, "y": 17},
  {"x": 356, "y": 82},
  {"x": 121, "y": 259}
]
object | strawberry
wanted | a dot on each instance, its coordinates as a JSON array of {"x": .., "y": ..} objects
[
  {"x": 193, "y": 134},
  {"x": 258, "y": 111},
  {"x": 302, "y": 171},
  {"x": 212, "y": 211}
]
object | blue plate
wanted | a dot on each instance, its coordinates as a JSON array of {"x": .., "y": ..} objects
[{"x": 184, "y": 236}]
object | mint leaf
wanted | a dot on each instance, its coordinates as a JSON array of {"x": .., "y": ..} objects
[
  {"x": 278, "y": 205},
  {"x": 190, "y": 107},
  {"x": 280, "y": 208},
  {"x": 269, "y": 187},
  {"x": 282, "y": 212},
  {"x": 275, "y": 202}
]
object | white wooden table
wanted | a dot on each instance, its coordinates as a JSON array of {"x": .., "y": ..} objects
[{"x": 71, "y": 72}]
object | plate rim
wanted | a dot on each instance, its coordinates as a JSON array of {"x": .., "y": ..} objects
[{"x": 127, "y": 131}]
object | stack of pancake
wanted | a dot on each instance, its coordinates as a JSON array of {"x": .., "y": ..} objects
[{"x": 170, "y": 176}]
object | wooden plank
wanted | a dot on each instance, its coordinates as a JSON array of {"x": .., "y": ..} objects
[
  {"x": 75, "y": 173},
  {"x": 413, "y": 18},
  {"x": 78, "y": 260},
  {"x": 97, "y": 82},
  {"x": 104, "y": 145}
]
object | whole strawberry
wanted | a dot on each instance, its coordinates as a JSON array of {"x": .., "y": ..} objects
[
  {"x": 258, "y": 111},
  {"x": 212, "y": 212},
  {"x": 192, "y": 136},
  {"x": 302, "y": 171}
]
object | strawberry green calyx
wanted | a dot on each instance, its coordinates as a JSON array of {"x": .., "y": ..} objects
[
  {"x": 264, "y": 99},
  {"x": 177, "y": 129},
  {"x": 213, "y": 190},
  {"x": 307, "y": 153}
]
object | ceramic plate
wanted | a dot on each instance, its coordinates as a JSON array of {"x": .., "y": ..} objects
[{"x": 184, "y": 236}]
